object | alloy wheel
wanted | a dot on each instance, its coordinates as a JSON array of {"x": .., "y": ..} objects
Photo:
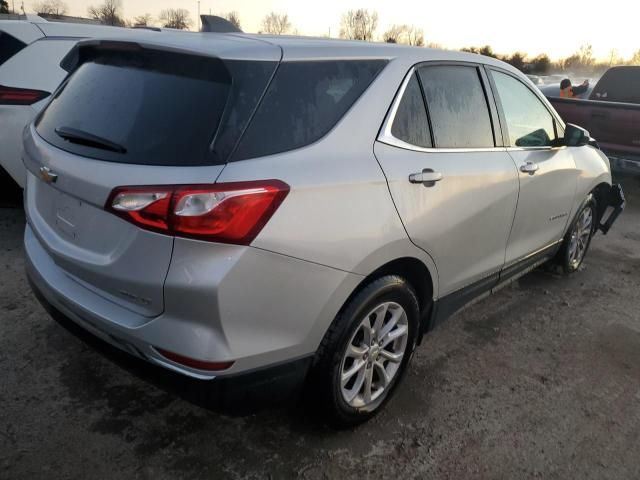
[
  {"x": 580, "y": 236},
  {"x": 374, "y": 354}
]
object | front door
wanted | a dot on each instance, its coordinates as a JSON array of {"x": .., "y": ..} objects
[
  {"x": 547, "y": 173},
  {"x": 455, "y": 191}
]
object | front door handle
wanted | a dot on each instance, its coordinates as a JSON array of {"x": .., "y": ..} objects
[
  {"x": 530, "y": 168},
  {"x": 427, "y": 177}
]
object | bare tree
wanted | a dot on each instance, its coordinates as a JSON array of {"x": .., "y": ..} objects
[
  {"x": 109, "y": 13},
  {"x": 415, "y": 36},
  {"x": 54, "y": 8},
  {"x": 176, "y": 18},
  {"x": 234, "y": 19},
  {"x": 276, "y": 24},
  {"x": 143, "y": 20},
  {"x": 581, "y": 60},
  {"x": 359, "y": 24},
  {"x": 4, "y": 6},
  {"x": 395, "y": 34},
  {"x": 635, "y": 59},
  {"x": 408, "y": 34}
]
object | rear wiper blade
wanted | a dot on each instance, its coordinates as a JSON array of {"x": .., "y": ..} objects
[{"x": 80, "y": 137}]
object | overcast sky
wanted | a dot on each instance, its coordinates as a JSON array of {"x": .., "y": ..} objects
[{"x": 554, "y": 27}]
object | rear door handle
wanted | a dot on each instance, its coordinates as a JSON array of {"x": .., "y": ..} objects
[
  {"x": 529, "y": 167},
  {"x": 427, "y": 177}
]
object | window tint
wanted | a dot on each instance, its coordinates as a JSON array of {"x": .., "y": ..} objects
[
  {"x": 457, "y": 106},
  {"x": 161, "y": 108},
  {"x": 410, "y": 123},
  {"x": 619, "y": 85},
  {"x": 9, "y": 46},
  {"x": 304, "y": 101},
  {"x": 528, "y": 121}
]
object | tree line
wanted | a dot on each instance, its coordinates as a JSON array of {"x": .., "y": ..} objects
[
  {"x": 581, "y": 61},
  {"x": 358, "y": 24}
]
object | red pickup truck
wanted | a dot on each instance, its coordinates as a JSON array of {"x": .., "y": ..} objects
[{"x": 611, "y": 115}]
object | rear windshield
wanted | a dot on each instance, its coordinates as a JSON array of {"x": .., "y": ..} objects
[
  {"x": 153, "y": 108},
  {"x": 619, "y": 85},
  {"x": 9, "y": 46},
  {"x": 304, "y": 101}
]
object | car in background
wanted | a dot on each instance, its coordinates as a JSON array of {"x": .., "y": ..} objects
[
  {"x": 30, "y": 55},
  {"x": 550, "y": 88},
  {"x": 225, "y": 205},
  {"x": 611, "y": 114},
  {"x": 536, "y": 79}
]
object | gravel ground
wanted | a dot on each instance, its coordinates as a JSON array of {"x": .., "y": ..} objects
[{"x": 539, "y": 380}]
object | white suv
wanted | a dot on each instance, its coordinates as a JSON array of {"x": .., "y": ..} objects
[{"x": 30, "y": 55}]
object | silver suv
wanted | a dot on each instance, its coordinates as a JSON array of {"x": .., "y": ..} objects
[{"x": 225, "y": 204}]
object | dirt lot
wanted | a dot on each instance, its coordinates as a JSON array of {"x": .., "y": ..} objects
[{"x": 539, "y": 380}]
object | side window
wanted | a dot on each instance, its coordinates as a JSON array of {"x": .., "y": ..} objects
[
  {"x": 457, "y": 106},
  {"x": 528, "y": 121},
  {"x": 410, "y": 123},
  {"x": 303, "y": 102}
]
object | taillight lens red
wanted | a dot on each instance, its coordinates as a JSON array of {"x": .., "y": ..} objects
[
  {"x": 225, "y": 212},
  {"x": 20, "y": 96}
]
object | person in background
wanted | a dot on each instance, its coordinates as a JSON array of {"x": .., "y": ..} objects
[{"x": 569, "y": 91}]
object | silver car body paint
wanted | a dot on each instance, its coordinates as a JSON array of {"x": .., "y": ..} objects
[{"x": 350, "y": 211}]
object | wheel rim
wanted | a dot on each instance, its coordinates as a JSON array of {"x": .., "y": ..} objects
[
  {"x": 374, "y": 354},
  {"x": 580, "y": 238}
]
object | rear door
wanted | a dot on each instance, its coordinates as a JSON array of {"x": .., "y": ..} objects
[
  {"x": 453, "y": 184},
  {"x": 130, "y": 116},
  {"x": 547, "y": 174}
]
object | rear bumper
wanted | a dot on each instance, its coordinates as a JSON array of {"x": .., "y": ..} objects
[
  {"x": 273, "y": 384},
  {"x": 615, "y": 203},
  {"x": 253, "y": 308}
]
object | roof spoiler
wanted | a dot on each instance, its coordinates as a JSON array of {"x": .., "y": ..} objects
[{"x": 213, "y": 23}]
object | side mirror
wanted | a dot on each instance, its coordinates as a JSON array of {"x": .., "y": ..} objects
[{"x": 575, "y": 136}]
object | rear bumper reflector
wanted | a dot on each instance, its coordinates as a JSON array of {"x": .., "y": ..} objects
[{"x": 192, "y": 362}]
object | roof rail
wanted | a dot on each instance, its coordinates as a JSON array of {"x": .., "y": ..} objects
[{"x": 213, "y": 23}]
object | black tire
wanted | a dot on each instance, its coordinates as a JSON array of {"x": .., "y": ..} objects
[
  {"x": 565, "y": 258},
  {"x": 324, "y": 381}
]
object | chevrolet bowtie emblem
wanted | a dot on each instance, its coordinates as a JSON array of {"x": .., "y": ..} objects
[{"x": 47, "y": 175}]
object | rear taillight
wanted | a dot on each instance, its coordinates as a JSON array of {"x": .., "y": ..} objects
[
  {"x": 224, "y": 212},
  {"x": 20, "y": 96}
]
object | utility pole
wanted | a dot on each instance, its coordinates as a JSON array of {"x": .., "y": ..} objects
[{"x": 199, "y": 19}]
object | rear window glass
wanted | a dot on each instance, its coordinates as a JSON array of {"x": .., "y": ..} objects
[
  {"x": 303, "y": 102},
  {"x": 9, "y": 46},
  {"x": 151, "y": 108},
  {"x": 458, "y": 107},
  {"x": 619, "y": 85},
  {"x": 410, "y": 123}
]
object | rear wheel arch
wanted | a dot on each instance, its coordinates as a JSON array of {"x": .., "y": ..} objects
[{"x": 413, "y": 270}]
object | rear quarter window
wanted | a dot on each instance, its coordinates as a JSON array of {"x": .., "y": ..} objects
[
  {"x": 304, "y": 102},
  {"x": 9, "y": 46}
]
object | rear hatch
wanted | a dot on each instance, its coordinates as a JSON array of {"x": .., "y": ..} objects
[{"x": 133, "y": 115}]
